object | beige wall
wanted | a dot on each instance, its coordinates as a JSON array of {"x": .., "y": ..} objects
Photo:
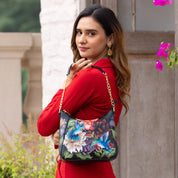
[
  {"x": 147, "y": 133},
  {"x": 147, "y": 16}
]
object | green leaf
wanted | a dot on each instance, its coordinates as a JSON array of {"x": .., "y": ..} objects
[
  {"x": 71, "y": 123},
  {"x": 172, "y": 56},
  {"x": 113, "y": 133},
  {"x": 68, "y": 155},
  {"x": 83, "y": 157},
  {"x": 103, "y": 153},
  {"x": 176, "y": 49},
  {"x": 176, "y": 59},
  {"x": 61, "y": 140},
  {"x": 97, "y": 153},
  {"x": 169, "y": 64},
  {"x": 112, "y": 152}
]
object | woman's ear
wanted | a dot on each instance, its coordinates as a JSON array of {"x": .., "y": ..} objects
[{"x": 110, "y": 40}]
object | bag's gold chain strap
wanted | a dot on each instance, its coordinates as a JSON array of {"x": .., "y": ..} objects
[
  {"x": 109, "y": 90},
  {"x": 62, "y": 97},
  {"x": 108, "y": 87}
]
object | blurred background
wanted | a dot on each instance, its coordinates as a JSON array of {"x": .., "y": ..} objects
[{"x": 20, "y": 16}]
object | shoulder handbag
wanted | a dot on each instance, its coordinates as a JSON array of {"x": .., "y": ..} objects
[{"x": 88, "y": 140}]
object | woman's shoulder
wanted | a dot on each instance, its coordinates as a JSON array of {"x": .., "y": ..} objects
[
  {"x": 94, "y": 71},
  {"x": 90, "y": 74}
]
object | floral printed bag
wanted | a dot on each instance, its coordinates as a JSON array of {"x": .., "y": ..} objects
[{"x": 88, "y": 140}]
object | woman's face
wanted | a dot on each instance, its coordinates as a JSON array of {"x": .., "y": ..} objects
[{"x": 91, "y": 40}]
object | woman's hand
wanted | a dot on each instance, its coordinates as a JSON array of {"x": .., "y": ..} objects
[
  {"x": 79, "y": 65},
  {"x": 76, "y": 67},
  {"x": 55, "y": 137}
]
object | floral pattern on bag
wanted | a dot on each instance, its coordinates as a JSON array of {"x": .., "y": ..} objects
[{"x": 87, "y": 139}]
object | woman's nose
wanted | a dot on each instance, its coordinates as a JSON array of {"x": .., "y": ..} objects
[{"x": 82, "y": 39}]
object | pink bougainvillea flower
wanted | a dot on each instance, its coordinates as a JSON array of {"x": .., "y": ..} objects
[
  {"x": 159, "y": 65},
  {"x": 162, "y": 2},
  {"x": 161, "y": 53},
  {"x": 163, "y": 47}
]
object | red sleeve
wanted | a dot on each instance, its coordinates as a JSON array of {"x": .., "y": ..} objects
[
  {"x": 87, "y": 93},
  {"x": 76, "y": 95},
  {"x": 48, "y": 121},
  {"x": 79, "y": 93}
]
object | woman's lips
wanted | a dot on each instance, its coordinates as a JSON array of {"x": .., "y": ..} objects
[{"x": 83, "y": 49}]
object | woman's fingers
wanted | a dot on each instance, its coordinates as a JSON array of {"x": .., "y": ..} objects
[
  {"x": 81, "y": 64},
  {"x": 87, "y": 65},
  {"x": 56, "y": 138},
  {"x": 76, "y": 67}
]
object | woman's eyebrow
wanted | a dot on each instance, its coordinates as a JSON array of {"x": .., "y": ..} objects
[
  {"x": 91, "y": 30},
  {"x": 88, "y": 30}
]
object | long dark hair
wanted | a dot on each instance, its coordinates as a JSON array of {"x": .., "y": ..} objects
[{"x": 107, "y": 19}]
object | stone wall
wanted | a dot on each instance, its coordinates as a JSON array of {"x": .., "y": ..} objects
[
  {"x": 57, "y": 18},
  {"x": 147, "y": 133}
]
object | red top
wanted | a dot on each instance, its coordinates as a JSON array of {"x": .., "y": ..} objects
[{"x": 85, "y": 97}]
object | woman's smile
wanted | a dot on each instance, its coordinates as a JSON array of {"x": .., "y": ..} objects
[{"x": 83, "y": 49}]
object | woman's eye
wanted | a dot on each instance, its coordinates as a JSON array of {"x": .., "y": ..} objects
[
  {"x": 78, "y": 32},
  {"x": 91, "y": 33}
]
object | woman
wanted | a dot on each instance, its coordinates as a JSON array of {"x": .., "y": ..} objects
[{"x": 98, "y": 37}]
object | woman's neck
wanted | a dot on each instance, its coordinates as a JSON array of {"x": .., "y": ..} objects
[{"x": 94, "y": 60}]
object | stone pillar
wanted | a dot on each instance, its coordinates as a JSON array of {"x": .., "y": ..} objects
[
  {"x": 33, "y": 62},
  {"x": 12, "y": 49},
  {"x": 57, "y": 18},
  {"x": 176, "y": 91}
]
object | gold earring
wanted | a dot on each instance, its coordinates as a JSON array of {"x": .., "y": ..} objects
[{"x": 109, "y": 50}]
